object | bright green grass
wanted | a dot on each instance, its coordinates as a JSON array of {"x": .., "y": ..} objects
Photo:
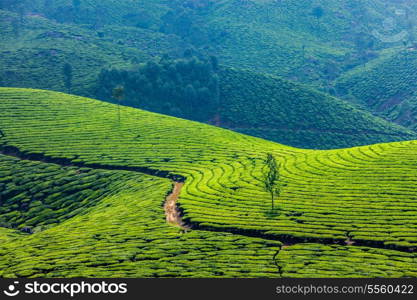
[{"x": 365, "y": 193}]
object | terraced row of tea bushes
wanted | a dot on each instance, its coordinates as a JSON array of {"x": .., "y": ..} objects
[
  {"x": 34, "y": 195},
  {"x": 125, "y": 235},
  {"x": 387, "y": 88},
  {"x": 7, "y": 235},
  {"x": 366, "y": 194},
  {"x": 315, "y": 260},
  {"x": 281, "y": 111}
]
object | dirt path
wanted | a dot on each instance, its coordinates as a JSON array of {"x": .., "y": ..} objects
[{"x": 172, "y": 213}]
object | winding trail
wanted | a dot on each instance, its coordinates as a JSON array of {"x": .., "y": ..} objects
[{"x": 172, "y": 212}]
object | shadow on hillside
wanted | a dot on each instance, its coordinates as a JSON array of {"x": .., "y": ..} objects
[{"x": 272, "y": 213}]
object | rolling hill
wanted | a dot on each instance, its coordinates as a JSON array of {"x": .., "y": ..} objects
[
  {"x": 292, "y": 114},
  {"x": 346, "y": 212},
  {"x": 256, "y": 104}
]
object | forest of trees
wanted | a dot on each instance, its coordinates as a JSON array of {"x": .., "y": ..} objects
[
  {"x": 184, "y": 19},
  {"x": 187, "y": 87}
]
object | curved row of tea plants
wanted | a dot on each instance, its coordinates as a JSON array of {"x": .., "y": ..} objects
[
  {"x": 304, "y": 261},
  {"x": 118, "y": 231},
  {"x": 364, "y": 195},
  {"x": 34, "y": 195},
  {"x": 124, "y": 234}
]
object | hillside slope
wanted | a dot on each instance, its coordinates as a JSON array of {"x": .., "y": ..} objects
[
  {"x": 309, "y": 41},
  {"x": 37, "y": 44},
  {"x": 256, "y": 104},
  {"x": 291, "y": 114},
  {"x": 361, "y": 200},
  {"x": 387, "y": 88},
  {"x": 35, "y": 49}
]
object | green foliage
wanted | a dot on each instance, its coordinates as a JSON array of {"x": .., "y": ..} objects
[
  {"x": 272, "y": 178},
  {"x": 386, "y": 87},
  {"x": 118, "y": 93},
  {"x": 186, "y": 88},
  {"x": 276, "y": 37},
  {"x": 364, "y": 194},
  {"x": 67, "y": 72},
  {"x": 318, "y": 12},
  {"x": 35, "y": 56},
  {"x": 32, "y": 56},
  {"x": 292, "y": 114},
  {"x": 259, "y": 105},
  {"x": 315, "y": 260},
  {"x": 33, "y": 195},
  {"x": 123, "y": 234}
]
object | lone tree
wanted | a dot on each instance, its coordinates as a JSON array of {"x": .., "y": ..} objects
[
  {"x": 272, "y": 177},
  {"x": 118, "y": 94},
  {"x": 67, "y": 72}
]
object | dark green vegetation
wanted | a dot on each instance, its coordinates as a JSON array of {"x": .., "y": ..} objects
[
  {"x": 363, "y": 199},
  {"x": 187, "y": 88},
  {"x": 311, "y": 42},
  {"x": 35, "y": 55},
  {"x": 259, "y": 105},
  {"x": 387, "y": 87},
  {"x": 286, "y": 112}
]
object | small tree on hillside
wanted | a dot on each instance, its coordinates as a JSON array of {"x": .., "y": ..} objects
[
  {"x": 272, "y": 178},
  {"x": 67, "y": 72},
  {"x": 118, "y": 94}
]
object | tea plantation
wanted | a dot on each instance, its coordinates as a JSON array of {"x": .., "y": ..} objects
[
  {"x": 386, "y": 87},
  {"x": 90, "y": 210},
  {"x": 286, "y": 112},
  {"x": 125, "y": 235}
]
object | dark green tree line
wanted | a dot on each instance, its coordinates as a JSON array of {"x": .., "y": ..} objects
[{"x": 186, "y": 87}]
